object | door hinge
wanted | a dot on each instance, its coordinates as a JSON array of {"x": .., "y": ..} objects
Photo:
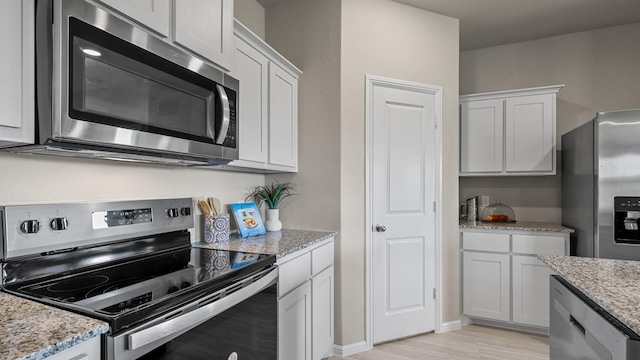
[
  {"x": 434, "y": 206},
  {"x": 434, "y": 293}
]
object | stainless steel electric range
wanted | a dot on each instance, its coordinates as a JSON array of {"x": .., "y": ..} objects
[{"x": 131, "y": 265}]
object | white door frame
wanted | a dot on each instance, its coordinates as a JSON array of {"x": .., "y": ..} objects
[{"x": 371, "y": 82}]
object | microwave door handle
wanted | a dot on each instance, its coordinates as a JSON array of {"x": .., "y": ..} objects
[{"x": 224, "y": 128}]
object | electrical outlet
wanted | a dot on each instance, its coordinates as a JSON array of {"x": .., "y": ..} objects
[{"x": 484, "y": 200}]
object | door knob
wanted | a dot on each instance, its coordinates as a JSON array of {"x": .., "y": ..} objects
[{"x": 381, "y": 228}]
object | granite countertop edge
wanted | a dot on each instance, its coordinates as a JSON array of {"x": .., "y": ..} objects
[
  {"x": 279, "y": 243},
  {"x": 67, "y": 343},
  {"x": 35, "y": 331},
  {"x": 515, "y": 226},
  {"x": 617, "y": 299}
]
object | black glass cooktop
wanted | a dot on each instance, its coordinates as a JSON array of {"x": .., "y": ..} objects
[{"x": 135, "y": 288}]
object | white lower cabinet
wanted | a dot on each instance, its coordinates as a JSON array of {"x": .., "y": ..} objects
[
  {"x": 502, "y": 279},
  {"x": 294, "y": 324},
  {"x": 322, "y": 314},
  {"x": 487, "y": 285},
  {"x": 86, "y": 350},
  {"x": 306, "y": 304},
  {"x": 530, "y": 291}
]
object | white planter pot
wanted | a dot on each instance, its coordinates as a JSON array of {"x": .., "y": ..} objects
[{"x": 273, "y": 222}]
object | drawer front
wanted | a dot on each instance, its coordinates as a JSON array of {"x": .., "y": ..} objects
[
  {"x": 485, "y": 242},
  {"x": 321, "y": 258},
  {"x": 535, "y": 244},
  {"x": 294, "y": 273}
]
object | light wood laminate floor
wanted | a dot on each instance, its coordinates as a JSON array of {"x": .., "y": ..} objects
[{"x": 471, "y": 342}]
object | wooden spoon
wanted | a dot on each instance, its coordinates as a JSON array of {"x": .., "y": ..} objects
[{"x": 206, "y": 209}]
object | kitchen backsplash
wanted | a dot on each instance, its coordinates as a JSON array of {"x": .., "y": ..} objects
[{"x": 533, "y": 198}]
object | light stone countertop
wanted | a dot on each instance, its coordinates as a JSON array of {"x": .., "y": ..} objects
[
  {"x": 514, "y": 226},
  {"x": 612, "y": 284},
  {"x": 279, "y": 243},
  {"x": 33, "y": 331}
]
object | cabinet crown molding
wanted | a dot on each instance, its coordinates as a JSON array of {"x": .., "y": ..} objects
[{"x": 552, "y": 89}]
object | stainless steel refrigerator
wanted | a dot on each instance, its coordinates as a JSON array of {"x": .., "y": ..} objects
[{"x": 601, "y": 185}]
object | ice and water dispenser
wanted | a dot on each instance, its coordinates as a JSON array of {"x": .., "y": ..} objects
[{"x": 626, "y": 219}]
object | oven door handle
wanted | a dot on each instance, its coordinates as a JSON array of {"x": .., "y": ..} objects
[{"x": 176, "y": 326}]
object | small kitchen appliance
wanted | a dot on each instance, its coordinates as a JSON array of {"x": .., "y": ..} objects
[
  {"x": 472, "y": 208},
  {"x": 131, "y": 265},
  {"x": 601, "y": 185},
  {"x": 108, "y": 89}
]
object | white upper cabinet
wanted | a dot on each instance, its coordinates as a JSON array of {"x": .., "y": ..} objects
[
  {"x": 268, "y": 101},
  {"x": 481, "y": 136},
  {"x": 509, "y": 132},
  {"x": 154, "y": 14},
  {"x": 17, "y": 71},
  {"x": 283, "y": 118},
  {"x": 251, "y": 68},
  {"x": 202, "y": 27},
  {"x": 206, "y": 28}
]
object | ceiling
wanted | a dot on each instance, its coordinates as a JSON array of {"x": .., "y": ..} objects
[{"x": 485, "y": 23}]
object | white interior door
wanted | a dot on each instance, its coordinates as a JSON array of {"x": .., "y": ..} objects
[{"x": 402, "y": 214}]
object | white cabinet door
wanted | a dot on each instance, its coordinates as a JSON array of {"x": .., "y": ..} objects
[
  {"x": 206, "y": 28},
  {"x": 17, "y": 71},
  {"x": 322, "y": 314},
  {"x": 86, "y": 350},
  {"x": 294, "y": 324},
  {"x": 283, "y": 119},
  {"x": 530, "y": 134},
  {"x": 486, "y": 285},
  {"x": 153, "y": 14},
  {"x": 251, "y": 68},
  {"x": 530, "y": 291},
  {"x": 481, "y": 136}
]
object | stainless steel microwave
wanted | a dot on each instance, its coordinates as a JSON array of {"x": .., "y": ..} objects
[{"x": 108, "y": 89}]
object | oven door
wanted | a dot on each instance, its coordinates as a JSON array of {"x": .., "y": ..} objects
[
  {"x": 238, "y": 322},
  {"x": 116, "y": 85}
]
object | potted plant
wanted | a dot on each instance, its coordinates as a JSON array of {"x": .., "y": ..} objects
[{"x": 271, "y": 195}]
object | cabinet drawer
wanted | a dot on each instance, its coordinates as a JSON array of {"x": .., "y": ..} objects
[
  {"x": 321, "y": 258},
  {"x": 294, "y": 273},
  {"x": 485, "y": 242},
  {"x": 535, "y": 244}
]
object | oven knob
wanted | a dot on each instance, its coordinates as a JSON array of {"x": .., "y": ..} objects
[
  {"x": 59, "y": 224},
  {"x": 30, "y": 226},
  {"x": 172, "y": 212},
  {"x": 185, "y": 284},
  {"x": 185, "y": 211},
  {"x": 172, "y": 289}
]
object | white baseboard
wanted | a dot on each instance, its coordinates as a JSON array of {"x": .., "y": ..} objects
[
  {"x": 347, "y": 350},
  {"x": 450, "y": 326}
]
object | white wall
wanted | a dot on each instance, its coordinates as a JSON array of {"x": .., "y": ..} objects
[
  {"x": 377, "y": 37},
  {"x": 600, "y": 69},
  {"x": 37, "y": 179}
]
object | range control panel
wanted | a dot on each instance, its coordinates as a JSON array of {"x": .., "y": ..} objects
[
  {"x": 106, "y": 219},
  {"x": 43, "y": 229}
]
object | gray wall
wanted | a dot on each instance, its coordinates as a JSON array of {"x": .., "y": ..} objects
[
  {"x": 336, "y": 43},
  {"x": 600, "y": 69},
  {"x": 251, "y": 14}
]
